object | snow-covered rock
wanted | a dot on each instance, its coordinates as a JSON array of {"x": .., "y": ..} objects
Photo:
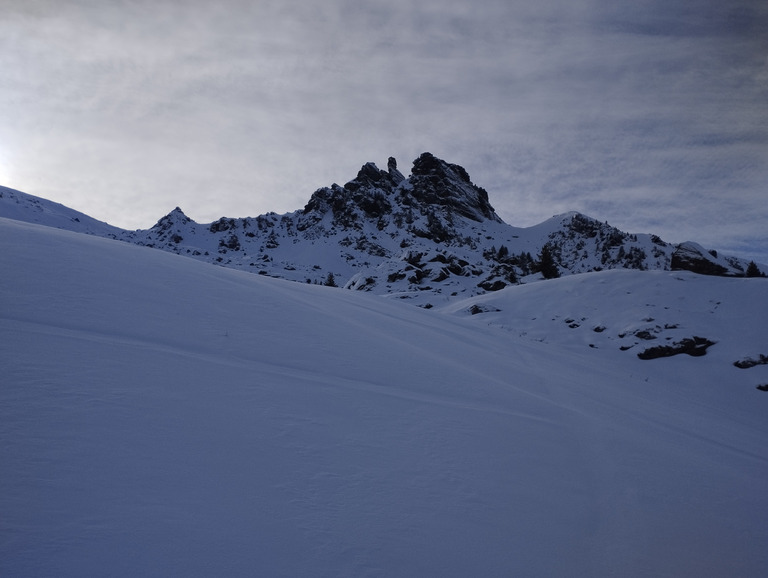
[
  {"x": 690, "y": 256},
  {"x": 426, "y": 239}
]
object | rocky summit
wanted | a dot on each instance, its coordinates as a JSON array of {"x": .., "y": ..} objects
[{"x": 427, "y": 238}]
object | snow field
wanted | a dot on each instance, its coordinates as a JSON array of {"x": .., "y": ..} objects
[{"x": 160, "y": 416}]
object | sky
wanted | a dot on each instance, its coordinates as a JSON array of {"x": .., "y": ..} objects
[{"x": 649, "y": 114}]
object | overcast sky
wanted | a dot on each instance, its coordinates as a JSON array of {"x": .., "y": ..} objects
[{"x": 650, "y": 114}]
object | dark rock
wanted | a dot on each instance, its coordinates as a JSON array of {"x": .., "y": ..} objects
[
  {"x": 369, "y": 176},
  {"x": 645, "y": 334},
  {"x": 749, "y": 362},
  {"x": 692, "y": 257},
  {"x": 222, "y": 225},
  {"x": 694, "y": 346},
  {"x": 230, "y": 242},
  {"x": 397, "y": 176},
  {"x": 448, "y": 186},
  {"x": 492, "y": 285},
  {"x": 475, "y": 309},
  {"x": 442, "y": 275}
]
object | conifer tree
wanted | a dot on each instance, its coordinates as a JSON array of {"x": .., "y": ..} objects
[
  {"x": 547, "y": 264},
  {"x": 753, "y": 270}
]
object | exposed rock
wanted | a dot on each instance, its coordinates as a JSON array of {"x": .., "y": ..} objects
[
  {"x": 475, "y": 309},
  {"x": 496, "y": 285},
  {"x": 397, "y": 176},
  {"x": 749, "y": 362},
  {"x": 222, "y": 225},
  {"x": 693, "y": 257},
  {"x": 371, "y": 178},
  {"x": 439, "y": 184},
  {"x": 694, "y": 346}
]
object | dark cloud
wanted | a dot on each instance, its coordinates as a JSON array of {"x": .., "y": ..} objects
[{"x": 650, "y": 114}]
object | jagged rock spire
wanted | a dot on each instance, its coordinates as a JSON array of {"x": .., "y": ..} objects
[
  {"x": 436, "y": 182},
  {"x": 396, "y": 175},
  {"x": 434, "y": 188}
]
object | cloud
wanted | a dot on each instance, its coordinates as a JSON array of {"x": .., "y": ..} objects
[{"x": 127, "y": 109}]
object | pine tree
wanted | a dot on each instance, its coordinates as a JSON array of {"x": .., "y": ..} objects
[
  {"x": 547, "y": 264},
  {"x": 330, "y": 281},
  {"x": 753, "y": 270}
]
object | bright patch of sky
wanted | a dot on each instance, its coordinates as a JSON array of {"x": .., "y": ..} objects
[{"x": 651, "y": 115}]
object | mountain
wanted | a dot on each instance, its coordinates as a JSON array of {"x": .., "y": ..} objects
[
  {"x": 160, "y": 416},
  {"x": 428, "y": 238},
  {"x": 30, "y": 209}
]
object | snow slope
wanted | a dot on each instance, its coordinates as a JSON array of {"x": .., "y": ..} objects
[
  {"x": 31, "y": 209},
  {"x": 160, "y": 416}
]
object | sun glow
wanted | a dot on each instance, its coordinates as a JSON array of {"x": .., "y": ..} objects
[{"x": 5, "y": 171}]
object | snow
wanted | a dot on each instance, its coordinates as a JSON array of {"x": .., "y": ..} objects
[
  {"x": 393, "y": 237},
  {"x": 162, "y": 416},
  {"x": 31, "y": 209}
]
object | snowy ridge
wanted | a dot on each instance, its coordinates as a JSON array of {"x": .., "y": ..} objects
[
  {"x": 219, "y": 422},
  {"x": 428, "y": 238},
  {"x": 30, "y": 209}
]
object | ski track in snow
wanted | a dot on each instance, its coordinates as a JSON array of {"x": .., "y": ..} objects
[
  {"x": 159, "y": 416},
  {"x": 273, "y": 370}
]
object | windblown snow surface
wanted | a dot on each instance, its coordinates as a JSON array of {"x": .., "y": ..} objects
[{"x": 160, "y": 416}]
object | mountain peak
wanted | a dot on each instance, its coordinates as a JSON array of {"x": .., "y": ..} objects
[
  {"x": 179, "y": 215},
  {"x": 429, "y": 164},
  {"x": 428, "y": 238},
  {"x": 175, "y": 217},
  {"x": 436, "y": 182},
  {"x": 371, "y": 177},
  {"x": 435, "y": 188}
]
